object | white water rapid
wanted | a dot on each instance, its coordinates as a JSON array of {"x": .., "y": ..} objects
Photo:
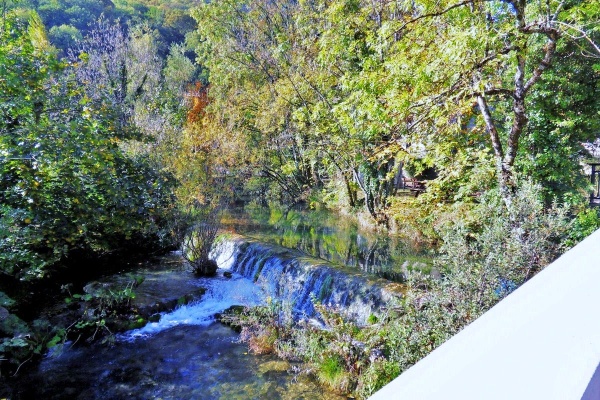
[{"x": 221, "y": 293}]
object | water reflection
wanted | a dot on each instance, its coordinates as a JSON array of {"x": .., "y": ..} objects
[{"x": 331, "y": 237}]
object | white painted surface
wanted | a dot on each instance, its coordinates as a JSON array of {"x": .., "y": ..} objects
[{"x": 541, "y": 342}]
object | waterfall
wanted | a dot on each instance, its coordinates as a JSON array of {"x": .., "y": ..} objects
[
  {"x": 300, "y": 280},
  {"x": 221, "y": 293},
  {"x": 262, "y": 270}
]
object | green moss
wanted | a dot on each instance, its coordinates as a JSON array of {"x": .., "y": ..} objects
[
  {"x": 330, "y": 368},
  {"x": 261, "y": 264},
  {"x": 12, "y": 325},
  {"x": 332, "y": 374}
]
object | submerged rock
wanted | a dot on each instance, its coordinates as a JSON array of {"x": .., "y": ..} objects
[{"x": 274, "y": 366}]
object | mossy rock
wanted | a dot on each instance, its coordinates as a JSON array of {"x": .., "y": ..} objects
[
  {"x": 136, "y": 323},
  {"x": 154, "y": 317},
  {"x": 234, "y": 310},
  {"x": 186, "y": 299},
  {"x": 11, "y": 325},
  {"x": 225, "y": 317}
]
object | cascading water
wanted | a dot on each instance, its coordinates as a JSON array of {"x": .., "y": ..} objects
[
  {"x": 293, "y": 277},
  {"x": 185, "y": 355},
  {"x": 221, "y": 293},
  {"x": 262, "y": 270}
]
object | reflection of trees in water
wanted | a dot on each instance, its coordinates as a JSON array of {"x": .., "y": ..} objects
[{"x": 325, "y": 235}]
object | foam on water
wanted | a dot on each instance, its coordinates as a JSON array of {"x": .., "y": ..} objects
[{"x": 221, "y": 293}]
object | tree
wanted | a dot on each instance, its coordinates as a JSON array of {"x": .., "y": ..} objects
[
  {"x": 288, "y": 98},
  {"x": 347, "y": 93},
  {"x": 64, "y": 36},
  {"x": 482, "y": 64},
  {"x": 67, "y": 186},
  {"x": 198, "y": 239},
  {"x": 561, "y": 118},
  {"x": 125, "y": 70}
]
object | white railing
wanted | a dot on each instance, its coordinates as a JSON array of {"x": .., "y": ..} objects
[{"x": 541, "y": 342}]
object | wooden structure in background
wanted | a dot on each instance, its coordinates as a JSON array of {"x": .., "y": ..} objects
[
  {"x": 415, "y": 186},
  {"x": 595, "y": 180}
]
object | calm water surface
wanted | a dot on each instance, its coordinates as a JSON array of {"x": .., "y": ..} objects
[{"x": 329, "y": 236}]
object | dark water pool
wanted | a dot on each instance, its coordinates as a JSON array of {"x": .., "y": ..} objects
[{"x": 184, "y": 362}]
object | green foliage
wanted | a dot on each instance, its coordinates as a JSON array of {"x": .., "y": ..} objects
[
  {"x": 21, "y": 343},
  {"x": 75, "y": 183},
  {"x": 586, "y": 222},
  {"x": 99, "y": 312},
  {"x": 64, "y": 36},
  {"x": 561, "y": 119},
  {"x": 378, "y": 374},
  {"x": 104, "y": 309},
  {"x": 77, "y": 13},
  {"x": 179, "y": 70},
  {"x": 338, "y": 97},
  {"x": 67, "y": 185},
  {"x": 69, "y": 20},
  {"x": 263, "y": 327},
  {"x": 331, "y": 373},
  {"x": 6, "y": 301},
  {"x": 506, "y": 244}
]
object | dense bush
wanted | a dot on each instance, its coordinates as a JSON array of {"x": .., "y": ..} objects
[
  {"x": 66, "y": 183},
  {"x": 586, "y": 222},
  {"x": 68, "y": 190}
]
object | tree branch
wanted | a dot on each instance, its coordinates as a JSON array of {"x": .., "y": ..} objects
[
  {"x": 491, "y": 127},
  {"x": 550, "y": 48},
  {"x": 430, "y": 15},
  {"x": 583, "y": 35}
]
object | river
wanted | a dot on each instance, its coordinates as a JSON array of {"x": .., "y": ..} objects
[{"x": 186, "y": 354}]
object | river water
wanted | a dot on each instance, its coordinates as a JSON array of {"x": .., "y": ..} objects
[
  {"x": 183, "y": 362},
  {"x": 187, "y": 354}
]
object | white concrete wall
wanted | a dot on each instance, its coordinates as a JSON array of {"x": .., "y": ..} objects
[{"x": 541, "y": 342}]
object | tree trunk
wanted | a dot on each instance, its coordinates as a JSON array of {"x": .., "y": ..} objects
[{"x": 504, "y": 171}]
